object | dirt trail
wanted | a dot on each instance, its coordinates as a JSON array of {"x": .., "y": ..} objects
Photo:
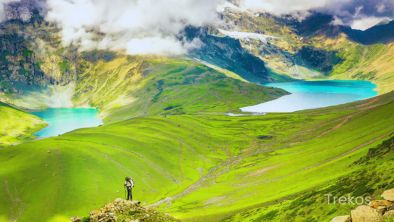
[
  {"x": 222, "y": 168},
  {"x": 16, "y": 204},
  {"x": 376, "y": 139},
  {"x": 212, "y": 173},
  {"x": 342, "y": 122},
  {"x": 369, "y": 104},
  {"x": 255, "y": 149}
]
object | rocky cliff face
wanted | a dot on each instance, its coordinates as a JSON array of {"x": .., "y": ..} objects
[
  {"x": 228, "y": 53},
  {"x": 32, "y": 57}
]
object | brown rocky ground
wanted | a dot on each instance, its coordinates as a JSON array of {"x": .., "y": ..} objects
[{"x": 125, "y": 211}]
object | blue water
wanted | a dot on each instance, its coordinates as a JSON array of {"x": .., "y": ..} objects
[
  {"x": 315, "y": 94},
  {"x": 62, "y": 120}
]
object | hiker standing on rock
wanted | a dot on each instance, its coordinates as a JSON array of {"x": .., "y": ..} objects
[{"x": 129, "y": 184}]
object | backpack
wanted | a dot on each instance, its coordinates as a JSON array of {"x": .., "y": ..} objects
[{"x": 129, "y": 183}]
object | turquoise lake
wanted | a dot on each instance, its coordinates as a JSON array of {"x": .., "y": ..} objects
[
  {"x": 315, "y": 94},
  {"x": 304, "y": 95},
  {"x": 62, "y": 120}
]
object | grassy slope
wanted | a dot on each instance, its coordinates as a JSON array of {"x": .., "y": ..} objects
[
  {"x": 243, "y": 161},
  {"x": 373, "y": 62},
  {"x": 372, "y": 175},
  {"x": 319, "y": 150},
  {"x": 136, "y": 86},
  {"x": 16, "y": 125},
  {"x": 360, "y": 62},
  {"x": 365, "y": 62},
  {"x": 80, "y": 171}
]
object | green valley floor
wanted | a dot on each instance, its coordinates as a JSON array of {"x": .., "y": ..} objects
[
  {"x": 196, "y": 167},
  {"x": 17, "y": 125}
]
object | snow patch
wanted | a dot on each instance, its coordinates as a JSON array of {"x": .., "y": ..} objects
[{"x": 247, "y": 35}]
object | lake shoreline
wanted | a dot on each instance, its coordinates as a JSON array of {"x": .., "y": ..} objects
[
  {"x": 63, "y": 120},
  {"x": 314, "y": 94}
]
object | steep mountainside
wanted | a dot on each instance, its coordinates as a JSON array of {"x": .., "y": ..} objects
[
  {"x": 227, "y": 53},
  {"x": 383, "y": 33},
  {"x": 37, "y": 69},
  {"x": 39, "y": 72},
  {"x": 315, "y": 48},
  {"x": 34, "y": 63},
  {"x": 372, "y": 62}
]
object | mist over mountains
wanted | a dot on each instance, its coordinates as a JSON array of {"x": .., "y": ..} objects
[{"x": 155, "y": 27}]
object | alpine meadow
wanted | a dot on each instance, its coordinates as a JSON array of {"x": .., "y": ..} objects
[{"x": 196, "y": 110}]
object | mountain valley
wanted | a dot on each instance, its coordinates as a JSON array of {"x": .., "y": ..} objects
[{"x": 174, "y": 121}]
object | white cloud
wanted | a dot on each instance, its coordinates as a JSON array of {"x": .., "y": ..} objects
[
  {"x": 152, "y": 26},
  {"x": 367, "y": 22},
  {"x": 280, "y": 7},
  {"x": 154, "y": 45},
  {"x": 136, "y": 26}
]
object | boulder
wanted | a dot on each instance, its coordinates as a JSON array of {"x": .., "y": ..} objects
[
  {"x": 388, "y": 195},
  {"x": 76, "y": 219},
  {"x": 380, "y": 203},
  {"x": 341, "y": 219},
  {"x": 389, "y": 214},
  {"x": 366, "y": 214},
  {"x": 127, "y": 211}
]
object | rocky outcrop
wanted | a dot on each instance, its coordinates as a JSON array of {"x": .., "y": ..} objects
[
  {"x": 125, "y": 211},
  {"x": 366, "y": 214},
  {"x": 376, "y": 211},
  {"x": 341, "y": 219},
  {"x": 388, "y": 195},
  {"x": 32, "y": 57}
]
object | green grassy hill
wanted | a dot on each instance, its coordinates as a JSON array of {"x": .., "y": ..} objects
[
  {"x": 138, "y": 86},
  {"x": 372, "y": 175},
  {"x": 16, "y": 125},
  {"x": 371, "y": 62},
  {"x": 316, "y": 148},
  {"x": 243, "y": 162}
]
